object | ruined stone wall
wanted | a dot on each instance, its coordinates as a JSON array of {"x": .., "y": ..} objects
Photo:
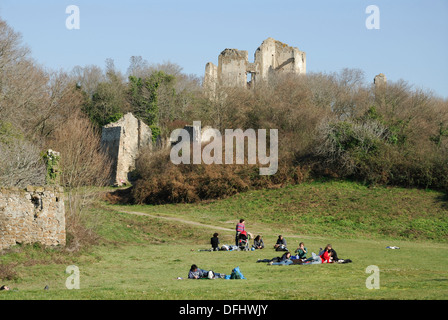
[
  {"x": 232, "y": 68},
  {"x": 123, "y": 140},
  {"x": 380, "y": 80},
  {"x": 211, "y": 77},
  {"x": 32, "y": 215},
  {"x": 275, "y": 56}
]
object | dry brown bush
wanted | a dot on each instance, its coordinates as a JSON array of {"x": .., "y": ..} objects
[
  {"x": 83, "y": 162},
  {"x": 161, "y": 181},
  {"x": 8, "y": 271},
  {"x": 83, "y": 166}
]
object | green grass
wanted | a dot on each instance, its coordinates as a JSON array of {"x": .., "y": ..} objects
[
  {"x": 150, "y": 272},
  {"x": 335, "y": 209},
  {"x": 140, "y": 257}
]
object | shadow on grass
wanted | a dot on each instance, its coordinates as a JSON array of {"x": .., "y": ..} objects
[{"x": 443, "y": 200}]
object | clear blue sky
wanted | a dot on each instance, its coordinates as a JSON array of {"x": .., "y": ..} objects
[{"x": 411, "y": 43}]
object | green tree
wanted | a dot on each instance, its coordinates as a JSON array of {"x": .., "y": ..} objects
[
  {"x": 108, "y": 102},
  {"x": 143, "y": 96}
]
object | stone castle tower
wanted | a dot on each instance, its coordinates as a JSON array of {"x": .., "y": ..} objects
[{"x": 270, "y": 58}]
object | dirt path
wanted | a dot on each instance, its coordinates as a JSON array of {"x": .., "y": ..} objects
[
  {"x": 198, "y": 224},
  {"x": 178, "y": 220}
]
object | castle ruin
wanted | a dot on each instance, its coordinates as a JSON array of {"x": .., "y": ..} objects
[
  {"x": 32, "y": 215},
  {"x": 380, "y": 80},
  {"x": 271, "y": 57},
  {"x": 123, "y": 140}
]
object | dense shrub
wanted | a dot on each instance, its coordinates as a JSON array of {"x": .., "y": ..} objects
[
  {"x": 330, "y": 125},
  {"x": 161, "y": 181}
]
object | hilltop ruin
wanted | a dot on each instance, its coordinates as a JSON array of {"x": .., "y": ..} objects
[{"x": 235, "y": 70}]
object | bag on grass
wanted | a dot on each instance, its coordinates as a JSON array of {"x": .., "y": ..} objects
[{"x": 236, "y": 274}]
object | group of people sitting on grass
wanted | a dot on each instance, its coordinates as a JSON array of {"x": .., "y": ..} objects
[
  {"x": 326, "y": 255},
  {"x": 242, "y": 234}
]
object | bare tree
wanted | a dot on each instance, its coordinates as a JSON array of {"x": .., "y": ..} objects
[
  {"x": 138, "y": 67},
  {"x": 83, "y": 163},
  {"x": 88, "y": 78},
  {"x": 20, "y": 164}
]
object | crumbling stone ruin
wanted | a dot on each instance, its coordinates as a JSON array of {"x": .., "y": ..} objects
[
  {"x": 32, "y": 215},
  {"x": 196, "y": 132},
  {"x": 270, "y": 58},
  {"x": 380, "y": 80},
  {"x": 123, "y": 140}
]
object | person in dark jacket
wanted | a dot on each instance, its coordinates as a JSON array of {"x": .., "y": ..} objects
[
  {"x": 284, "y": 259},
  {"x": 215, "y": 242},
  {"x": 258, "y": 242},
  {"x": 281, "y": 242},
  {"x": 332, "y": 252}
]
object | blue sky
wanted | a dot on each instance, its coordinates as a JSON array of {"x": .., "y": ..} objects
[{"x": 411, "y": 43}]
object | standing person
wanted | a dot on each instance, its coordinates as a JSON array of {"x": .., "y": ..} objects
[
  {"x": 301, "y": 251},
  {"x": 215, "y": 242},
  {"x": 240, "y": 227}
]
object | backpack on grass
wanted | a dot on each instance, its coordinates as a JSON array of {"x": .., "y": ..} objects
[{"x": 236, "y": 274}]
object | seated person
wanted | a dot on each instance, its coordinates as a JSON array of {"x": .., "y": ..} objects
[
  {"x": 258, "y": 242},
  {"x": 328, "y": 247},
  {"x": 326, "y": 256},
  {"x": 281, "y": 242},
  {"x": 334, "y": 255},
  {"x": 301, "y": 251},
  {"x": 215, "y": 242}
]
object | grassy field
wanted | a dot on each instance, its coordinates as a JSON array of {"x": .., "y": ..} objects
[{"x": 141, "y": 256}]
